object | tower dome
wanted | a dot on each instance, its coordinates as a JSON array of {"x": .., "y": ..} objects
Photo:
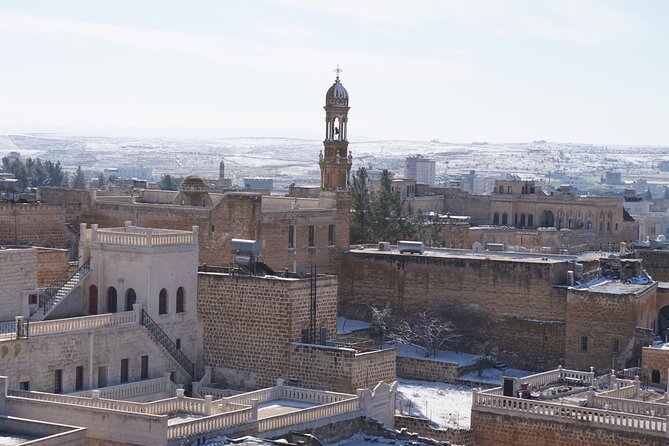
[{"x": 337, "y": 96}]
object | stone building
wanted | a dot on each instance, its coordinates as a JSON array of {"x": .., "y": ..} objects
[
  {"x": 258, "y": 329},
  {"x": 541, "y": 310},
  {"x": 294, "y": 232},
  {"x": 569, "y": 407}
]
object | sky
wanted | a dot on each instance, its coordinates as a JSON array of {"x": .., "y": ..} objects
[{"x": 584, "y": 71}]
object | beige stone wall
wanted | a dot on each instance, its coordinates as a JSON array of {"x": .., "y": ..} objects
[
  {"x": 456, "y": 235},
  {"x": 421, "y": 426},
  {"x": 602, "y": 318},
  {"x": 656, "y": 263},
  {"x": 250, "y": 322},
  {"x": 654, "y": 359},
  {"x": 340, "y": 369},
  {"x": 51, "y": 225},
  {"x": 50, "y": 265},
  {"x": 492, "y": 429},
  {"x": 426, "y": 369},
  {"x": 522, "y": 292},
  {"x": 35, "y": 359},
  {"x": 17, "y": 273}
]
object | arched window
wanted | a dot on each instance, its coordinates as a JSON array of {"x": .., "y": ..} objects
[
  {"x": 130, "y": 299},
  {"x": 162, "y": 302},
  {"x": 180, "y": 300},
  {"x": 505, "y": 219},
  {"x": 530, "y": 220},
  {"x": 522, "y": 220},
  {"x": 495, "y": 218},
  {"x": 111, "y": 300}
]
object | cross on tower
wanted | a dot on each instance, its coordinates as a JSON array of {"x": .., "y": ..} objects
[{"x": 338, "y": 70}]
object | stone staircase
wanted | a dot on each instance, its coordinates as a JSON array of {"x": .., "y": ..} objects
[{"x": 60, "y": 289}]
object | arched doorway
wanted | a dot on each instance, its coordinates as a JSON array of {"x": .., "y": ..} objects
[
  {"x": 547, "y": 219},
  {"x": 130, "y": 299},
  {"x": 663, "y": 322},
  {"x": 111, "y": 300},
  {"x": 93, "y": 300}
]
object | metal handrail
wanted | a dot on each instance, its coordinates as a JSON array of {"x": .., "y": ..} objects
[
  {"x": 51, "y": 292},
  {"x": 162, "y": 337},
  {"x": 57, "y": 283}
]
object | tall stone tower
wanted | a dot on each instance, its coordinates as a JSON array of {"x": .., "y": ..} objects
[
  {"x": 221, "y": 172},
  {"x": 335, "y": 160}
]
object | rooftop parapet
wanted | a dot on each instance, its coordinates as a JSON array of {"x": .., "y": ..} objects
[{"x": 129, "y": 235}]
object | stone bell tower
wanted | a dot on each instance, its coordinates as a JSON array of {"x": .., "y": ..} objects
[{"x": 335, "y": 160}]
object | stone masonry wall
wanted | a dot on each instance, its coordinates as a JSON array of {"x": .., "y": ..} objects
[
  {"x": 426, "y": 369},
  {"x": 527, "y": 312},
  {"x": 603, "y": 317},
  {"x": 51, "y": 225},
  {"x": 493, "y": 429},
  {"x": 340, "y": 369},
  {"x": 656, "y": 263},
  {"x": 654, "y": 359},
  {"x": 50, "y": 265},
  {"x": 249, "y": 324},
  {"x": 421, "y": 426},
  {"x": 35, "y": 359},
  {"x": 17, "y": 272}
]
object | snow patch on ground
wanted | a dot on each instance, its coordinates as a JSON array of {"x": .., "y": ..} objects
[
  {"x": 446, "y": 405},
  {"x": 368, "y": 440}
]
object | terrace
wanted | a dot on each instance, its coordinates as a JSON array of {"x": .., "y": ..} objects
[{"x": 575, "y": 396}]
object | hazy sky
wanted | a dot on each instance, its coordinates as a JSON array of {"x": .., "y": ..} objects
[{"x": 471, "y": 70}]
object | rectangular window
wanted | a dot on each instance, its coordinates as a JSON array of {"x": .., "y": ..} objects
[
  {"x": 291, "y": 237},
  {"x": 124, "y": 371},
  {"x": 584, "y": 343},
  {"x": 32, "y": 299},
  {"x": 145, "y": 367},
  {"x": 312, "y": 241},
  {"x": 58, "y": 381},
  {"x": 102, "y": 377},
  {"x": 24, "y": 385},
  {"x": 79, "y": 378},
  {"x": 178, "y": 344},
  {"x": 331, "y": 240},
  {"x": 616, "y": 345}
]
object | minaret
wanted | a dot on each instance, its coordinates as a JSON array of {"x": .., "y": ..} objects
[
  {"x": 335, "y": 160},
  {"x": 221, "y": 172}
]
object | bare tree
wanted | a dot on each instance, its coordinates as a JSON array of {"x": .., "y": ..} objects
[{"x": 427, "y": 332}]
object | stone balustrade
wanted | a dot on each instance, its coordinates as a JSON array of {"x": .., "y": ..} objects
[
  {"x": 130, "y": 390},
  {"x": 629, "y": 391},
  {"x": 556, "y": 411},
  {"x": 135, "y": 236},
  {"x": 655, "y": 409},
  {"x": 83, "y": 323},
  {"x": 262, "y": 396},
  {"x": 213, "y": 423},
  {"x": 312, "y": 396},
  {"x": 350, "y": 406}
]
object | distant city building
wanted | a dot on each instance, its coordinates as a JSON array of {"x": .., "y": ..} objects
[
  {"x": 141, "y": 173},
  {"x": 222, "y": 181},
  {"x": 259, "y": 183},
  {"x": 612, "y": 178},
  {"x": 421, "y": 169}
]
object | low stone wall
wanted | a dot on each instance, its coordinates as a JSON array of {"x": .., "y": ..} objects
[
  {"x": 51, "y": 263},
  {"x": 428, "y": 370},
  {"x": 495, "y": 429},
  {"x": 421, "y": 426}
]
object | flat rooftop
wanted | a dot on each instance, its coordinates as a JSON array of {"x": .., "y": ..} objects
[
  {"x": 509, "y": 256},
  {"x": 612, "y": 286}
]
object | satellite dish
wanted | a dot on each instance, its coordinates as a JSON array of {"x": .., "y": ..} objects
[
  {"x": 661, "y": 238},
  {"x": 477, "y": 247}
]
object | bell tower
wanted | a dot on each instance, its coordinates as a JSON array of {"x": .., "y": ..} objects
[{"x": 335, "y": 160}]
